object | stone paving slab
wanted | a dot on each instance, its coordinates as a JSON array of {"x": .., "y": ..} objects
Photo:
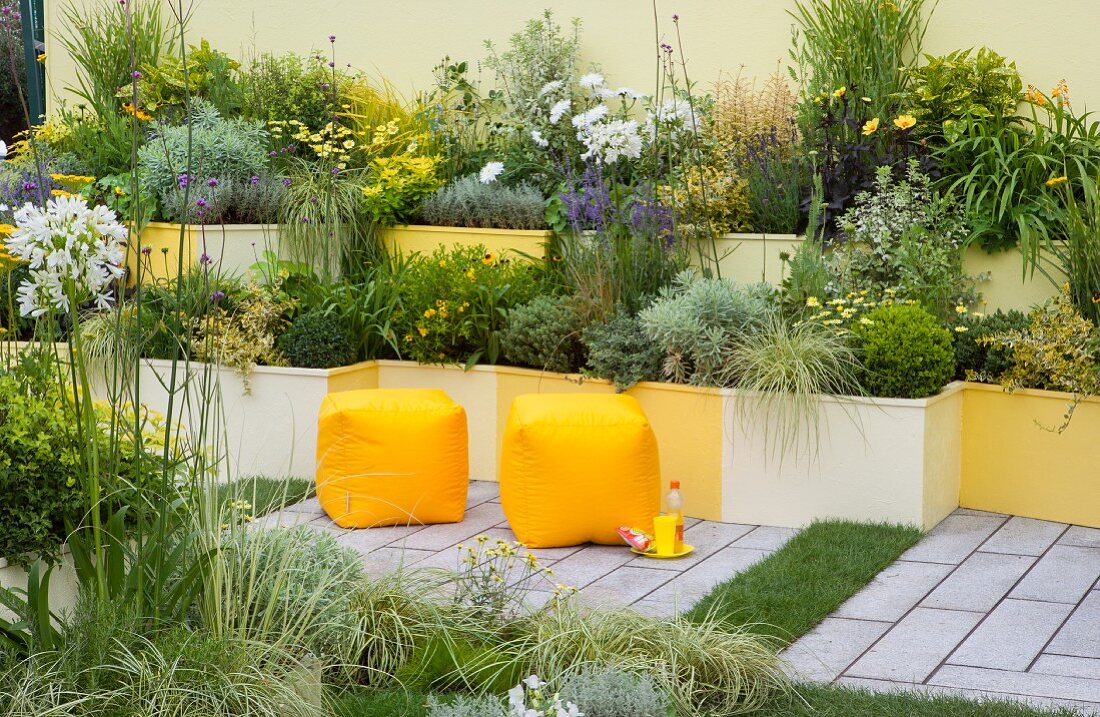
[{"x": 1015, "y": 615}]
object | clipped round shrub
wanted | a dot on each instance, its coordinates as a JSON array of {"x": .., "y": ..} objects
[
  {"x": 318, "y": 340},
  {"x": 982, "y": 361},
  {"x": 906, "y": 353},
  {"x": 544, "y": 334}
]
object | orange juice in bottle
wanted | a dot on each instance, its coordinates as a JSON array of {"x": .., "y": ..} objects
[{"x": 674, "y": 505}]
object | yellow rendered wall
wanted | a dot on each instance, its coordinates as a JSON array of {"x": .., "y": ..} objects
[
  {"x": 426, "y": 239},
  {"x": 404, "y": 40},
  {"x": 1011, "y": 464}
]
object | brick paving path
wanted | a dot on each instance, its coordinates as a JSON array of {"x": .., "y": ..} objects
[{"x": 986, "y": 605}]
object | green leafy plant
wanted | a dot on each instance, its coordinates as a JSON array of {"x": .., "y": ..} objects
[
  {"x": 454, "y": 304},
  {"x": 958, "y": 86},
  {"x": 317, "y": 340},
  {"x": 695, "y": 322},
  {"x": 1077, "y": 256},
  {"x": 210, "y": 75},
  {"x": 977, "y": 360},
  {"x": 39, "y": 473},
  {"x": 544, "y": 334},
  {"x": 257, "y": 199},
  {"x": 396, "y": 185},
  {"x": 620, "y": 350},
  {"x": 242, "y": 333},
  {"x": 905, "y": 352},
  {"x": 368, "y": 306},
  {"x": 468, "y": 202},
  {"x": 905, "y": 236},
  {"x": 282, "y": 87}
]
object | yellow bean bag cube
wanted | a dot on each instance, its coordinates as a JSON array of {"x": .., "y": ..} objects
[
  {"x": 392, "y": 457},
  {"x": 575, "y": 467}
]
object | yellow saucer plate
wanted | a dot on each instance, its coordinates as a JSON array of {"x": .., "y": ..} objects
[{"x": 688, "y": 550}]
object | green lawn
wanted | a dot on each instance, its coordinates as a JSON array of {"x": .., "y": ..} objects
[
  {"x": 796, "y": 587},
  {"x": 266, "y": 494}
]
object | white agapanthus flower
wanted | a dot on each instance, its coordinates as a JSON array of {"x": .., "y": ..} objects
[
  {"x": 551, "y": 86},
  {"x": 591, "y": 81},
  {"x": 584, "y": 119},
  {"x": 3, "y": 149},
  {"x": 560, "y": 108},
  {"x": 73, "y": 251},
  {"x": 538, "y": 139},
  {"x": 607, "y": 142},
  {"x": 528, "y": 690},
  {"x": 490, "y": 172}
]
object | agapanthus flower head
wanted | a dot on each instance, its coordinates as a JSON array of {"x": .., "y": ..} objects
[
  {"x": 74, "y": 253},
  {"x": 608, "y": 141}
]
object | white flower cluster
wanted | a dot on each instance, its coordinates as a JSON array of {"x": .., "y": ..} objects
[
  {"x": 608, "y": 141},
  {"x": 675, "y": 116},
  {"x": 74, "y": 252},
  {"x": 530, "y": 691}
]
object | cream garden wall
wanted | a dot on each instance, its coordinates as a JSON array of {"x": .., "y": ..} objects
[{"x": 404, "y": 40}]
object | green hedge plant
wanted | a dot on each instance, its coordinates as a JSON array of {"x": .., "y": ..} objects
[
  {"x": 544, "y": 334},
  {"x": 906, "y": 353}
]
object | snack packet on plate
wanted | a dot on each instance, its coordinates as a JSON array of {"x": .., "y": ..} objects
[{"x": 637, "y": 539}]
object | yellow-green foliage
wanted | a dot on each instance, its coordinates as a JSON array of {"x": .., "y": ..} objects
[
  {"x": 398, "y": 184},
  {"x": 1057, "y": 351},
  {"x": 743, "y": 113},
  {"x": 711, "y": 199},
  {"x": 243, "y": 335}
]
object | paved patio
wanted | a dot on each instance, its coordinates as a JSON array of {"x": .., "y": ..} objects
[
  {"x": 986, "y": 605},
  {"x": 607, "y": 576}
]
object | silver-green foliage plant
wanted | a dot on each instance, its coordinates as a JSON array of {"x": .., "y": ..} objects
[
  {"x": 468, "y": 202},
  {"x": 544, "y": 334},
  {"x": 251, "y": 200},
  {"x": 208, "y": 147},
  {"x": 619, "y": 350},
  {"x": 696, "y": 321},
  {"x": 905, "y": 236},
  {"x": 466, "y": 706},
  {"x": 613, "y": 692},
  {"x": 290, "y": 587}
]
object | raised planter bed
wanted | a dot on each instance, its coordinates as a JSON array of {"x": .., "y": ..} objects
[
  {"x": 426, "y": 239},
  {"x": 1013, "y": 462},
  {"x": 232, "y": 248},
  {"x": 894, "y": 460}
]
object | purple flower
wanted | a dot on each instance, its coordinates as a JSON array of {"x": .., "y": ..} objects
[
  {"x": 331, "y": 63},
  {"x": 286, "y": 182},
  {"x": 211, "y": 182},
  {"x": 676, "y": 18},
  {"x": 217, "y": 296},
  {"x": 332, "y": 38},
  {"x": 305, "y": 220},
  {"x": 205, "y": 259},
  {"x": 273, "y": 153},
  {"x": 335, "y": 171},
  {"x": 6, "y": 10},
  {"x": 253, "y": 180},
  {"x": 313, "y": 200},
  {"x": 136, "y": 75},
  {"x": 183, "y": 180},
  {"x": 200, "y": 202},
  {"x": 29, "y": 187},
  {"x": 146, "y": 250}
]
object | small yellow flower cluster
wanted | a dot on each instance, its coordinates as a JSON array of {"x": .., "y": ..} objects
[
  {"x": 332, "y": 142},
  {"x": 902, "y": 122},
  {"x": 6, "y": 259},
  {"x": 841, "y": 314},
  {"x": 137, "y": 112}
]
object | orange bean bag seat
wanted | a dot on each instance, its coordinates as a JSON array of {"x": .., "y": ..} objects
[
  {"x": 575, "y": 467},
  {"x": 392, "y": 457}
]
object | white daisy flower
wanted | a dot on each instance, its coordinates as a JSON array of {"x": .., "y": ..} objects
[{"x": 490, "y": 172}]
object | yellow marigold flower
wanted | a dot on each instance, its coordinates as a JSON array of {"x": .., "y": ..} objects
[
  {"x": 870, "y": 126},
  {"x": 1053, "y": 181},
  {"x": 409, "y": 340},
  {"x": 904, "y": 122},
  {"x": 840, "y": 91}
]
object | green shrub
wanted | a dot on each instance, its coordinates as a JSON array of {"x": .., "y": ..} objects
[
  {"x": 976, "y": 359},
  {"x": 454, "y": 303},
  {"x": 467, "y": 202},
  {"x": 958, "y": 86},
  {"x": 285, "y": 87},
  {"x": 906, "y": 354},
  {"x": 619, "y": 350},
  {"x": 211, "y": 75},
  {"x": 317, "y": 340},
  {"x": 544, "y": 334},
  {"x": 251, "y": 200},
  {"x": 612, "y": 692},
  {"x": 695, "y": 321},
  {"x": 39, "y": 465}
]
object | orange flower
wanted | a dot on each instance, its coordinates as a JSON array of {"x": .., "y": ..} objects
[
  {"x": 904, "y": 122},
  {"x": 1034, "y": 96},
  {"x": 870, "y": 126},
  {"x": 1054, "y": 181}
]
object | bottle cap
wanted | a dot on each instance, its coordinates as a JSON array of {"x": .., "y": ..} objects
[{"x": 674, "y": 484}]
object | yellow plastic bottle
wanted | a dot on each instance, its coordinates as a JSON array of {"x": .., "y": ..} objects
[{"x": 674, "y": 505}]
